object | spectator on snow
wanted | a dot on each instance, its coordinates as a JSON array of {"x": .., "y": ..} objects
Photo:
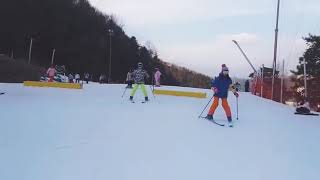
[
  {"x": 102, "y": 79},
  {"x": 70, "y": 77},
  {"x": 51, "y": 72},
  {"x": 77, "y": 77},
  {"x": 86, "y": 77},
  {"x": 157, "y": 76},
  {"x": 129, "y": 79}
]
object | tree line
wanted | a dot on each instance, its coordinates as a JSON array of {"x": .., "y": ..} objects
[{"x": 81, "y": 36}]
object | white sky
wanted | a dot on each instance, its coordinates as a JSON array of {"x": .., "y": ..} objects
[{"x": 197, "y": 34}]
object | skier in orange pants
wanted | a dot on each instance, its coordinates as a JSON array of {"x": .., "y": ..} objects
[{"x": 221, "y": 85}]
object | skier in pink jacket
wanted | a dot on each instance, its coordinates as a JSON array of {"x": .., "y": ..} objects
[
  {"x": 157, "y": 75},
  {"x": 51, "y": 72}
]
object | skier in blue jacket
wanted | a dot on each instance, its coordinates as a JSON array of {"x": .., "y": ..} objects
[{"x": 221, "y": 85}]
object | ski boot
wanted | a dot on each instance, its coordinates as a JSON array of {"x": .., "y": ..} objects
[
  {"x": 209, "y": 117},
  {"x": 131, "y": 98},
  {"x": 230, "y": 123},
  {"x": 146, "y": 98}
]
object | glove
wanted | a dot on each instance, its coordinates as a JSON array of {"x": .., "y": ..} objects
[
  {"x": 236, "y": 94},
  {"x": 215, "y": 90}
]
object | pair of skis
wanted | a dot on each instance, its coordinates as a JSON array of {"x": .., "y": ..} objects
[
  {"x": 215, "y": 122},
  {"x": 141, "y": 102}
]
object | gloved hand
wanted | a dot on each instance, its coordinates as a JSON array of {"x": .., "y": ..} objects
[
  {"x": 236, "y": 94},
  {"x": 215, "y": 90}
]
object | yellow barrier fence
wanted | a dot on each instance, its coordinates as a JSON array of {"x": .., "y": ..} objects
[
  {"x": 53, "y": 84},
  {"x": 180, "y": 93}
]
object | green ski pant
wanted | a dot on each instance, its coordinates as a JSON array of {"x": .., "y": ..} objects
[{"x": 135, "y": 88}]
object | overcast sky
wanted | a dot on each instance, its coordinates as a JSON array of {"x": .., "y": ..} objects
[{"x": 197, "y": 34}]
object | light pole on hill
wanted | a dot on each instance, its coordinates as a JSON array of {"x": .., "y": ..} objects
[
  {"x": 110, "y": 54},
  {"x": 30, "y": 50},
  {"x": 52, "y": 57}
]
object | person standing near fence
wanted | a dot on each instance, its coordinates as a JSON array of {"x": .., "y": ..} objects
[{"x": 51, "y": 72}]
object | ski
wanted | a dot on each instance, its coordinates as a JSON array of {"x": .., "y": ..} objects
[
  {"x": 310, "y": 114},
  {"x": 213, "y": 121},
  {"x": 141, "y": 102}
]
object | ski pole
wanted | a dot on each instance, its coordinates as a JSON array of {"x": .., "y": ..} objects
[
  {"x": 125, "y": 89},
  {"x": 154, "y": 97},
  {"x": 237, "y": 110},
  {"x": 206, "y": 106}
]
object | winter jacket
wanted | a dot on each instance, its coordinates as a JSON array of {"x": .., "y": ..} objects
[
  {"x": 77, "y": 76},
  {"x": 51, "y": 72},
  {"x": 139, "y": 76},
  {"x": 222, "y": 83}
]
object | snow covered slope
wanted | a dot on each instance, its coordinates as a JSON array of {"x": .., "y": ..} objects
[{"x": 94, "y": 134}]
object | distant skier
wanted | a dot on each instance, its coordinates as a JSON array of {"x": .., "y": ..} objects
[
  {"x": 102, "y": 79},
  {"x": 221, "y": 85},
  {"x": 139, "y": 76},
  {"x": 77, "y": 77},
  {"x": 246, "y": 86},
  {"x": 129, "y": 78},
  {"x": 70, "y": 77},
  {"x": 157, "y": 76},
  {"x": 238, "y": 86},
  {"x": 51, "y": 72},
  {"x": 86, "y": 77}
]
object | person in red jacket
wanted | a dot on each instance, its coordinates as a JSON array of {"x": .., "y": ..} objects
[
  {"x": 221, "y": 85},
  {"x": 51, "y": 72}
]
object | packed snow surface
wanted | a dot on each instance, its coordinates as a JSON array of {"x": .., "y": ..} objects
[{"x": 94, "y": 134}]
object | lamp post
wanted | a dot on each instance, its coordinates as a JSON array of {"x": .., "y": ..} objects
[
  {"x": 282, "y": 79},
  {"x": 52, "y": 57},
  {"x": 30, "y": 50},
  {"x": 305, "y": 77},
  {"x": 262, "y": 80},
  {"x": 110, "y": 53},
  {"x": 275, "y": 50}
]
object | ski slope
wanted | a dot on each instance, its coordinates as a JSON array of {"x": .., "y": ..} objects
[{"x": 94, "y": 134}]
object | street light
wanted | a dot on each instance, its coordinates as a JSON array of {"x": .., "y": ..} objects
[
  {"x": 274, "y": 66},
  {"x": 30, "y": 50},
  {"x": 305, "y": 78},
  {"x": 110, "y": 57},
  {"x": 52, "y": 57}
]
